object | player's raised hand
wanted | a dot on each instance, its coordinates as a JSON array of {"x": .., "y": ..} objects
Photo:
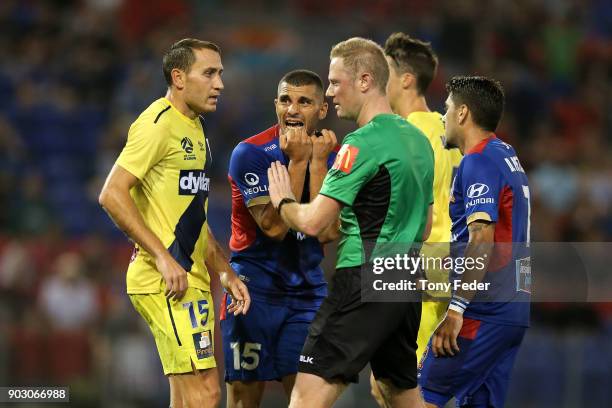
[
  {"x": 323, "y": 145},
  {"x": 239, "y": 294},
  {"x": 279, "y": 184},
  {"x": 296, "y": 144},
  {"x": 444, "y": 338},
  {"x": 174, "y": 275}
]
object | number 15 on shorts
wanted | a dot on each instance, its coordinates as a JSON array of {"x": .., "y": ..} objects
[
  {"x": 250, "y": 356},
  {"x": 202, "y": 310}
]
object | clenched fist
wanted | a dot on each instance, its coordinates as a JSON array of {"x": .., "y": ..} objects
[
  {"x": 323, "y": 145},
  {"x": 296, "y": 144}
]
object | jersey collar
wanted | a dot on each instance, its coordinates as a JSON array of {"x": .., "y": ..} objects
[
  {"x": 481, "y": 145},
  {"x": 192, "y": 122}
]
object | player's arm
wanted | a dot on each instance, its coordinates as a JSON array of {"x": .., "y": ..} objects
[
  {"x": 116, "y": 200},
  {"x": 312, "y": 218},
  {"x": 478, "y": 172},
  {"x": 266, "y": 217},
  {"x": 480, "y": 246},
  {"x": 322, "y": 146},
  {"x": 248, "y": 160},
  {"x": 217, "y": 261}
]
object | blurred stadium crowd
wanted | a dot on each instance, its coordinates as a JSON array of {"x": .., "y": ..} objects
[{"x": 75, "y": 73}]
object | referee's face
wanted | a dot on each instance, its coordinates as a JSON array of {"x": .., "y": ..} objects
[
  {"x": 203, "y": 83},
  {"x": 343, "y": 90}
]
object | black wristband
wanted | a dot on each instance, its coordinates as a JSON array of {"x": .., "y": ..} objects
[{"x": 284, "y": 201}]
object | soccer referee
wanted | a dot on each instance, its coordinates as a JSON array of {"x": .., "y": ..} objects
[{"x": 381, "y": 187}]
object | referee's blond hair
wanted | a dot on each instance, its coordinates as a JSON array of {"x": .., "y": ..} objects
[{"x": 361, "y": 55}]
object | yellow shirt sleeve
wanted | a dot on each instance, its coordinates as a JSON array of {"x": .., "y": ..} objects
[{"x": 146, "y": 145}]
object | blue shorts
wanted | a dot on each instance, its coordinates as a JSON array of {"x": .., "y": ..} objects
[
  {"x": 265, "y": 344},
  {"x": 479, "y": 374}
]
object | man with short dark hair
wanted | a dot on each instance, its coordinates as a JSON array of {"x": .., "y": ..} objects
[
  {"x": 471, "y": 352},
  {"x": 381, "y": 186},
  {"x": 280, "y": 266},
  {"x": 157, "y": 193}
]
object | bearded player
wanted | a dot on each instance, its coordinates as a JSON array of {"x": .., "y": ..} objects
[{"x": 279, "y": 265}]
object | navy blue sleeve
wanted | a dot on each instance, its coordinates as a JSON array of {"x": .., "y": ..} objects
[
  {"x": 482, "y": 185},
  {"x": 331, "y": 158},
  {"x": 249, "y": 170}
]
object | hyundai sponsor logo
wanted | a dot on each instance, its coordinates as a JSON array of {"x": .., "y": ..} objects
[
  {"x": 481, "y": 200},
  {"x": 192, "y": 181},
  {"x": 477, "y": 189}
]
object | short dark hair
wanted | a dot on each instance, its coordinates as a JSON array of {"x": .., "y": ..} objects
[
  {"x": 483, "y": 96},
  {"x": 181, "y": 56},
  {"x": 414, "y": 56},
  {"x": 302, "y": 77}
]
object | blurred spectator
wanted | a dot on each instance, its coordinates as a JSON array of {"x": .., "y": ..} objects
[
  {"x": 67, "y": 297},
  {"x": 30, "y": 212},
  {"x": 68, "y": 300},
  {"x": 17, "y": 279}
]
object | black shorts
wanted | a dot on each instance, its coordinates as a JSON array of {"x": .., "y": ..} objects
[{"x": 346, "y": 334}]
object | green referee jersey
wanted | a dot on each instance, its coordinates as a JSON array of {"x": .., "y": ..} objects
[{"x": 383, "y": 174}]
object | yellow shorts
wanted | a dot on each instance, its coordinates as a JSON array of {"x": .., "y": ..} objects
[
  {"x": 432, "y": 312},
  {"x": 183, "y": 329}
]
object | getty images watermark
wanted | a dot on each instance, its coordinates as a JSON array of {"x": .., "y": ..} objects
[
  {"x": 418, "y": 266},
  {"x": 505, "y": 272}
]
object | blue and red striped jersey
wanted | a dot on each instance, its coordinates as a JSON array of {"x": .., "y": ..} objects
[
  {"x": 283, "y": 272},
  {"x": 491, "y": 185}
]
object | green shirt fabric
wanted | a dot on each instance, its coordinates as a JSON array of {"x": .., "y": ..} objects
[{"x": 383, "y": 175}]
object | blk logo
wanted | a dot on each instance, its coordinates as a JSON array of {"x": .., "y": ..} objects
[
  {"x": 306, "y": 359},
  {"x": 477, "y": 189},
  {"x": 187, "y": 145}
]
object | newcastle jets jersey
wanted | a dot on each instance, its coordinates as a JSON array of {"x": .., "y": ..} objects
[
  {"x": 285, "y": 272},
  {"x": 492, "y": 186}
]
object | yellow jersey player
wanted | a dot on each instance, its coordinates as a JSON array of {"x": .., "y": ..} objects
[
  {"x": 157, "y": 193},
  {"x": 412, "y": 67}
]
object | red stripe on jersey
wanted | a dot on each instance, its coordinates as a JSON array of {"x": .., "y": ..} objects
[
  {"x": 223, "y": 314},
  {"x": 481, "y": 145},
  {"x": 503, "y": 230},
  {"x": 470, "y": 327},
  {"x": 264, "y": 137},
  {"x": 244, "y": 227}
]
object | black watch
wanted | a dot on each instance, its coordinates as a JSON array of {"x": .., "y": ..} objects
[{"x": 284, "y": 201}]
